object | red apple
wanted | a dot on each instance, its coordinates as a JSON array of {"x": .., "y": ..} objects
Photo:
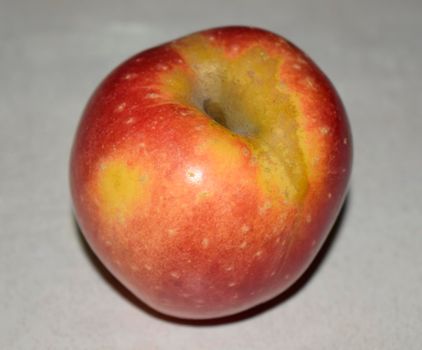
[{"x": 207, "y": 172}]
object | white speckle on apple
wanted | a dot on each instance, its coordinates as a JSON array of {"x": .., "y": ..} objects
[
  {"x": 235, "y": 48},
  {"x": 343, "y": 170},
  {"x": 252, "y": 293},
  {"x": 345, "y": 140},
  {"x": 107, "y": 242},
  {"x": 287, "y": 276},
  {"x": 229, "y": 268},
  {"x": 259, "y": 253},
  {"x": 161, "y": 66},
  {"x": 185, "y": 113},
  {"x": 262, "y": 210},
  {"x": 148, "y": 267},
  {"x": 329, "y": 195},
  {"x": 301, "y": 60},
  {"x": 324, "y": 130},
  {"x": 313, "y": 243},
  {"x": 212, "y": 38},
  {"x": 231, "y": 284},
  {"x": 120, "y": 107},
  {"x": 171, "y": 232},
  {"x": 175, "y": 274},
  {"x": 273, "y": 273},
  {"x": 243, "y": 245},
  {"x": 308, "y": 218},
  {"x": 205, "y": 242},
  {"x": 194, "y": 175},
  {"x": 152, "y": 95},
  {"x": 297, "y": 66},
  {"x": 311, "y": 83},
  {"x": 263, "y": 55},
  {"x": 235, "y": 296},
  {"x": 245, "y": 229},
  {"x": 130, "y": 120},
  {"x": 245, "y": 151},
  {"x": 130, "y": 76},
  {"x": 134, "y": 268}
]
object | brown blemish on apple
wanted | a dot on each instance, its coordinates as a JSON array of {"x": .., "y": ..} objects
[{"x": 194, "y": 175}]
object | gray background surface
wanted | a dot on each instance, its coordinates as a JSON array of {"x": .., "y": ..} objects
[{"x": 365, "y": 290}]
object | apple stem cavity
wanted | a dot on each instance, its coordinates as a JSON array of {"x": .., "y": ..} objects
[{"x": 239, "y": 126}]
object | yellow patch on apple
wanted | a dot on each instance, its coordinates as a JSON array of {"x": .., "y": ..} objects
[
  {"x": 120, "y": 187},
  {"x": 224, "y": 88}
]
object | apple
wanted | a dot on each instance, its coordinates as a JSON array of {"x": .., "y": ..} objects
[{"x": 207, "y": 172}]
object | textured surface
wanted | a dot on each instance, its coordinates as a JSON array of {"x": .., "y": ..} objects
[{"x": 363, "y": 292}]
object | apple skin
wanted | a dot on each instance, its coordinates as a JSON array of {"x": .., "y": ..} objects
[{"x": 203, "y": 219}]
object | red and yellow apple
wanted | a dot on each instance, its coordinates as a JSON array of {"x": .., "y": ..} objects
[{"x": 207, "y": 172}]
